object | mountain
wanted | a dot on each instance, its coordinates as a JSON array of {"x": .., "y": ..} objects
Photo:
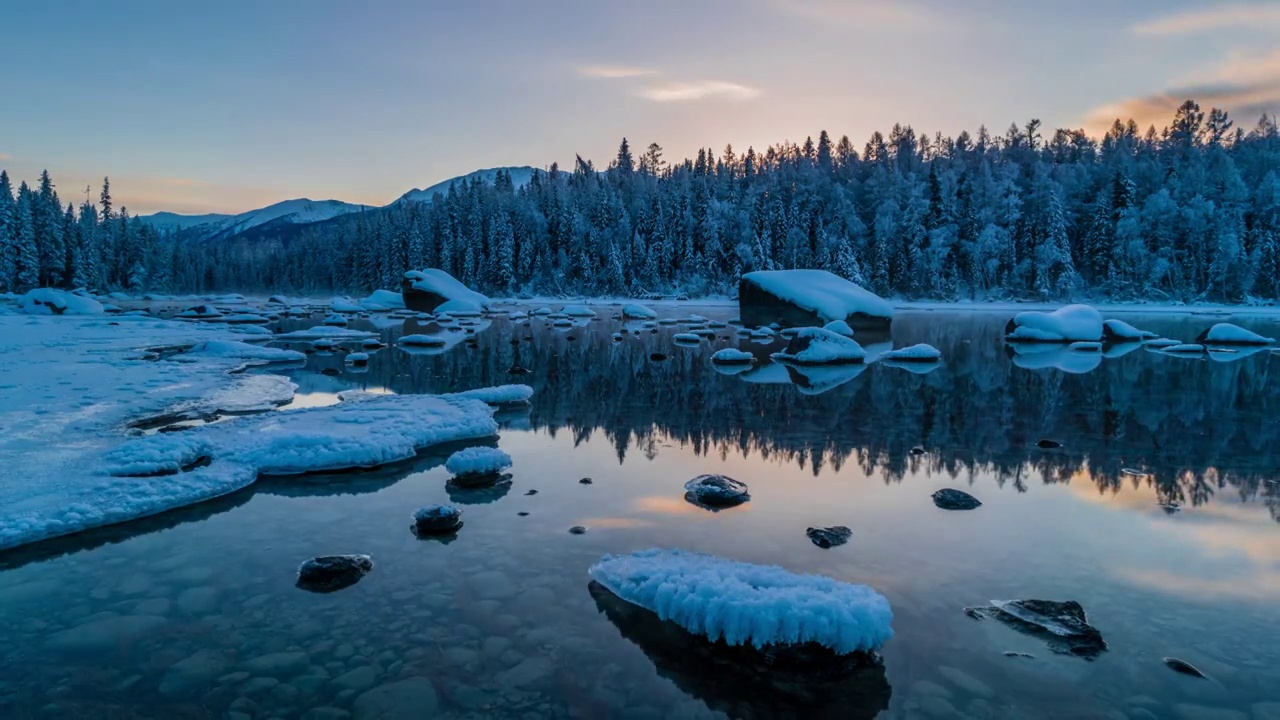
[
  {"x": 519, "y": 177},
  {"x": 288, "y": 212},
  {"x": 182, "y": 222}
]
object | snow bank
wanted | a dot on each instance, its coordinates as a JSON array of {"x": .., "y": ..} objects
[
  {"x": 344, "y": 305},
  {"x": 1067, "y": 324},
  {"x": 819, "y": 346},
  {"x": 818, "y": 293},
  {"x": 638, "y": 312},
  {"x": 48, "y": 301},
  {"x": 578, "y": 311},
  {"x": 733, "y": 356},
  {"x": 745, "y": 604},
  {"x": 914, "y": 353},
  {"x": 477, "y": 461},
  {"x": 839, "y": 327},
  {"x": 383, "y": 298},
  {"x": 1228, "y": 334},
  {"x": 244, "y": 351}
]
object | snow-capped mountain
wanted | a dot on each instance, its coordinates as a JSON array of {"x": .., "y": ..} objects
[
  {"x": 519, "y": 177},
  {"x": 183, "y": 222},
  {"x": 288, "y": 212}
]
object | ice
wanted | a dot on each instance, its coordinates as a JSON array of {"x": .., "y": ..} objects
[
  {"x": 917, "y": 353},
  {"x": 384, "y": 298},
  {"x": 418, "y": 340},
  {"x": 343, "y": 305},
  {"x": 444, "y": 285},
  {"x": 578, "y": 311},
  {"x": 323, "y": 332},
  {"x": 256, "y": 330},
  {"x": 1228, "y": 334},
  {"x": 1066, "y": 324},
  {"x": 638, "y": 312},
  {"x": 745, "y": 604},
  {"x": 244, "y": 351},
  {"x": 733, "y": 356},
  {"x": 814, "y": 345},
  {"x": 827, "y": 295},
  {"x": 48, "y": 301},
  {"x": 839, "y": 327},
  {"x": 477, "y": 461}
]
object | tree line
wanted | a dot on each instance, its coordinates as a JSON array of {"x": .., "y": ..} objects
[{"x": 1187, "y": 213}]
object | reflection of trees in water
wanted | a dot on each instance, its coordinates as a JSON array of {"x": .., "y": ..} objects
[{"x": 1196, "y": 428}]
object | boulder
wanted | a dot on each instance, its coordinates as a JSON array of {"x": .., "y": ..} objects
[
  {"x": 800, "y": 298},
  {"x": 426, "y": 290},
  {"x": 1062, "y": 625},
  {"x": 333, "y": 572},
  {"x": 715, "y": 491},
  {"x": 951, "y": 499},
  {"x": 829, "y": 537},
  {"x": 437, "y": 520}
]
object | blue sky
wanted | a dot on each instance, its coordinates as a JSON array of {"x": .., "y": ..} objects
[{"x": 228, "y": 106}]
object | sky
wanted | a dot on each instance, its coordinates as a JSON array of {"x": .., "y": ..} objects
[{"x": 229, "y": 106}]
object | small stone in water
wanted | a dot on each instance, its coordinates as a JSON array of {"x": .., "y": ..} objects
[
  {"x": 333, "y": 572},
  {"x": 522, "y": 513},
  {"x": 577, "y": 530},
  {"x": 1048, "y": 444},
  {"x": 532, "y": 492},
  {"x": 830, "y": 536},
  {"x": 1016, "y": 654},
  {"x": 1184, "y": 667},
  {"x": 951, "y": 499},
  {"x": 584, "y": 481},
  {"x": 917, "y": 450},
  {"x": 714, "y": 492},
  {"x": 657, "y": 357}
]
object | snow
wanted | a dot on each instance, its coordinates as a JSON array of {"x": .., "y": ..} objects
[
  {"x": 477, "y": 461},
  {"x": 48, "y": 301},
  {"x": 687, "y": 338},
  {"x": 578, "y": 311},
  {"x": 519, "y": 175},
  {"x": 443, "y": 284},
  {"x": 325, "y": 332},
  {"x": 764, "y": 333},
  {"x": 200, "y": 312},
  {"x": 916, "y": 353},
  {"x": 1160, "y": 343},
  {"x": 542, "y": 311},
  {"x": 357, "y": 357},
  {"x": 302, "y": 210},
  {"x": 839, "y": 327},
  {"x": 497, "y": 395},
  {"x": 417, "y": 340},
  {"x": 1085, "y": 346},
  {"x": 1228, "y": 334},
  {"x": 244, "y": 351},
  {"x": 461, "y": 308},
  {"x": 732, "y": 356},
  {"x": 829, "y": 296},
  {"x": 257, "y": 330},
  {"x": 821, "y": 346},
  {"x": 1066, "y": 324},
  {"x": 1117, "y": 330},
  {"x": 335, "y": 319},
  {"x": 745, "y": 604},
  {"x": 383, "y": 298},
  {"x": 344, "y": 305},
  {"x": 638, "y": 312},
  {"x": 1185, "y": 349}
]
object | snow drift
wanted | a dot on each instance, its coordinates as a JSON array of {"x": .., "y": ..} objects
[{"x": 1064, "y": 325}]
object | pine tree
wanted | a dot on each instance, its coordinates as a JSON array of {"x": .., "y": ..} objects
[{"x": 26, "y": 258}]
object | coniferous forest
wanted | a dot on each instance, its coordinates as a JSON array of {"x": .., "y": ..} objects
[{"x": 1190, "y": 212}]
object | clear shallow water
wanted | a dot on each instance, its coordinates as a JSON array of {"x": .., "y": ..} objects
[{"x": 501, "y": 621}]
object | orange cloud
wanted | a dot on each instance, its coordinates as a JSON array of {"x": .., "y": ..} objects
[{"x": 698, "y": 90}]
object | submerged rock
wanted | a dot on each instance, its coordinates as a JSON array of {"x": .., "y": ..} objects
[
  {"x": 413, "y": 697},
  {"x": 1062, "y": 625},
  {"x": 951, "y": 499},
  {"x": 1184, "y": 667},
  {"x": 333, "y": 572},
  {"x": 715, "y": 491},
  {"x": 829, "y": 537}
]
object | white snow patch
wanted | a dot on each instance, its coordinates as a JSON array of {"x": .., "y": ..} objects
[
  {"x": 578, "y": 311},
  {"x": 634, "y": 311},
  {"x": 383, "y": 299},
  {"x": 733, "y": 356},
  {"x": 1119, "y": 330},
  {"x": 825, "y": 294},
  {"x": 746, "y": 604},
  {"x": 839, "y": 327},
  {"x": 917, "y": 353},
  {"x": 823, "y": 346},
  {"x": 324, "y": 332},
  {"x": 48, "y": 301},
  {"x": 477, "y": 461},
  {"x": 1066, "y": 324},
  {"x": 445, "y": 285},
  {"x": 1228, "y": 334}
]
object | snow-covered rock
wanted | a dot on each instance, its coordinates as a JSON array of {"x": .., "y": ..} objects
[
  {"x": 578, "y": 311},
  {"x": 1115, "y": 331},
  {"x": 48, "y": 301},
  {"x": 1228, "y": 334},
  {"x": 419, "y": 340},
  {"x": 716, "y": 491},
  {"x": 425, "y": 290},
  {"x": 914, "y": 353},
  {"x": 733, "y": 356},
  {"x": 344, "y": 305},
  {"x": 686, "y": 338},
  {"x": 243, "y": 319},
  {"x": 244, "y": 351},
  {"x": 1085, "y": 346},
  {"x": 1185, "y": 349},
  {"x": 437, "y": 519},
  {"x": 357, "y": 358},
  {"x": 816, "y": 346},
  {"x": 460, "y": 308},
  {"x": 255, "y": 330},
  {"x": 542, "y": 312},
  {"x": 478, "y": 461},
  {"x": 801, "y": 298},
  {"x": 745, "y": 604},
  {"x": 200, "y": 312},
  {"x": 1158, "y": 343},
  {"x": 634, "y": 311},
  {"x": 388, "y": 299},
  {"x": 1064, "y": 325},
  {"x": 335, "y": 320},
  {"x": 839, "y": 327}
]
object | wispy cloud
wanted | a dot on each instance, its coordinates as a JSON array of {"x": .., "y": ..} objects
[
  {"x": 1244, "y": 85},
  {"x": 699, "y": 90},
  {"x": 1223, "y": 17},
  {"x": 873, "y": 14},
  {"x": 5, "y": 156},
  {"x": 615, "y": 71}
]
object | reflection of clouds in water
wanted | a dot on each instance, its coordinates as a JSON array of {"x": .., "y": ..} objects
[
  {"x": 616, "y": 523},
  {"x": 665, "y": 505}
]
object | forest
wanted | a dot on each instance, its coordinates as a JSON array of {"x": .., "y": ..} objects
[{"x": 1187, "y": 213}]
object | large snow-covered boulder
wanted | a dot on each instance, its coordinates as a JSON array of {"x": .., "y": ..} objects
[
  {"x": 1228, "y": 334},
  {"x": 744, "y": 604},
  {"x": 48, "y": 301},
  {"x": 799, "y": 298},
  {"x": 638, "y": 312},
  {"x": 1066, "y": 324},
  {"x": 1119, "y": 331},
  {"x": 819, "y": 346},
  {"x": 425, "y": 290}
]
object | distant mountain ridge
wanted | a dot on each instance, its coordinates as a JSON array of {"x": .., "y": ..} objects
[{"x": 288, "y": 215}]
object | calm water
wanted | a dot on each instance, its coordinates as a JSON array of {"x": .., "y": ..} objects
[{"x": 171, "y": 617}]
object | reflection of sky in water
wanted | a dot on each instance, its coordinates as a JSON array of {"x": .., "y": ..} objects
[{"x": 1200, "y": 584}]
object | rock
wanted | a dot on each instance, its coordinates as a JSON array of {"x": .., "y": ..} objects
[
  {"x": 193, "y": 673},
  {"x": 1182, "y": 666},
  {"x": 526, "y": 673},
  {"x": 577, "y": 530},
  {"x": 829, "y": 537},
  {"x": 413, "y": 697},
  {"x": 518, "y": 370},
  {"x": 532, "y": 492},
  {"x": 1187, "y": 711},
  {"x": 584, "y": 481},
  {"x": 714, "y": 492},
  {"x": 917, "y": 450},
  {"x": 281, "y": 664},
  {"x": 966, "y": 682},
  {"x": 198, "y": 601},
  {"x": 333, "y": 572},
  {"x": 491, "y": 585},
  {"x": 1062, "y": 625},
  {"x": 657, "y": 357},
  {"x": 105, "y": 633},
  {"x": 437, "y": 520},
  {"x": 361, "y": 678},
  {"x": 952, "y": 499},
  {"x": 1016, "y": 654},
  {"x": 523, "y": 513},
  {"x": 1048, "y": 444}
]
